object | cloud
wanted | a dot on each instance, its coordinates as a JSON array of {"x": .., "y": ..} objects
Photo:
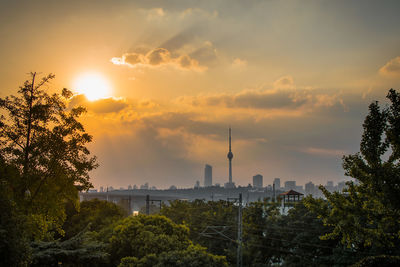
[
  {"x": 101, "y": 106},
  {"x": 239, "y": 63},
  {"x": 206, "y": 54},
  {"x": 284, "y": 96},
  {"x": 285, "y": 82},
  {"x": 155, "y": 13},
  {"x": 392, "y": 67},
  {"x": 324, "y": 152},
  {"x": 158, "y": 57}
]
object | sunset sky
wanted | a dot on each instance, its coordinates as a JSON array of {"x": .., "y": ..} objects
[{"x": 292, "y": 78}]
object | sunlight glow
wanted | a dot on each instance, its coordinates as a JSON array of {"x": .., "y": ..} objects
[{"x": 93, "y": 85}]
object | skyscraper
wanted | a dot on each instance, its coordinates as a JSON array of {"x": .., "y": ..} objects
[
  {"x": 258, "y": 181},
  {"x": 290, "y": 185},
  {"x": 230, "y": 184},
  {"x": 277, "y": 183},
  {"x": 207, "y": 175}
]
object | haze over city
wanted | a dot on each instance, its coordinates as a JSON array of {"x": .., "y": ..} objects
[{"x": 163, "y": 81}]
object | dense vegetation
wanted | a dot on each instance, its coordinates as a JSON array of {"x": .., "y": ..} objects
[{"x": 44, "y": 163}]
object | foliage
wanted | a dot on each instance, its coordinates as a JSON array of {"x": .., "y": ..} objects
[
  {"x": 381, "y": 261},
  {"x": 198, "y": 215},
  {"x": 367, "y": 216},
  {"x": 142, "y": 235},
  {"x": 194, "y": 255},
  {"x": 98, "y": 213},
  {"x": 77, "y": 251},
  {"x": 14, "y": 246},
  {"x": 261, "y": 240},
  {"x": 300, "y": 231},
  {"x": 46, "y": 143}
]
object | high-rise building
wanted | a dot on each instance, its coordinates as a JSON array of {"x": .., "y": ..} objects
[
  {"x": 230, "y": 184},
  {"x": 258, "y": 181},
  {"x": 207, "y": 175},
  {"x": 309, "y": 188},
  {"x": 329, "y": 186},
  {"x": 277, "y": 183},
  {"x": 290, "y": 185},
  {"x": 341, "y": 186}
]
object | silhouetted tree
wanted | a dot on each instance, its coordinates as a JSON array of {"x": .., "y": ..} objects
[
  {"x": 367, "y": 216},
  {"x": 46, "y": 143},
  {"x": 194, "y": 255},
  {"x": 98, "y": 213}
]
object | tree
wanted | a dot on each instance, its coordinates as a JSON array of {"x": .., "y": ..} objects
[
  {"x": 14, "y": 246},
  {"x": 142, "y": 235},
  {"x": 197, "y": 215},
  {"x": 76, "y": 251},
  {"x": 46, "y": 143},
  {"x": 194, "y": 255},
  {"x": 367, "y": 216},
  {"x": 98, "y": 213}
]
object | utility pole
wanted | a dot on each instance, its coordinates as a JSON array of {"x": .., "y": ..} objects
[
  {"x": 147, "y": 204},
  {"x": 239, "y": 249},
  {"x": 130, "y": 205},
  {"x": 239, "y": 258},
  {"x": 273, "y": 188}
]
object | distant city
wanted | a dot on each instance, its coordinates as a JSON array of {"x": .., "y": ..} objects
[
  {"x": 257, "y": 184},
  {"x": 308, "y": 189}
]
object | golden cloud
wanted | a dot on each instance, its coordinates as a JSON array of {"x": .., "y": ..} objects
[
  {"x": 392, "y": 67},
  {"x": 158, "y": 57},
  {"x": 287, "y": 98},
  {"x": 101, "y": 106}
]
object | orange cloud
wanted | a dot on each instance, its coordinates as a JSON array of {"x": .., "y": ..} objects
[
  {"x": 392, "y": 67},
  {"x": 105, "y": 105},
  {"x": 285, "y": 98},
  {"x": 324, "y": 152},
  {"x": 158, "y": 57}
]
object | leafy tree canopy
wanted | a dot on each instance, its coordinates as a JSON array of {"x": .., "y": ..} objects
[
  {"x": 367, "y": 216},
  {"x": 194, "y": 255},
  {"x": 142, "y": 235},
  {"x": 43, "y": 139},
  {"x": 98, "y": 213}
]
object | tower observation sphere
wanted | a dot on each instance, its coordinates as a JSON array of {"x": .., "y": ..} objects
[{"x": 230, "y": 184}]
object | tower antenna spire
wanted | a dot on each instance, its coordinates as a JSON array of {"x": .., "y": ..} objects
[
  {"x": 230, "y": 146},
  {"x": 230, "y": 156}
]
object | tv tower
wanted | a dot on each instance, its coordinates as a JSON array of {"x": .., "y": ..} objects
[{"x": 230, "y": 156}]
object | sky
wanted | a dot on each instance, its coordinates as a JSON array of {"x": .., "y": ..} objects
[{"x": 292, "y": 78}]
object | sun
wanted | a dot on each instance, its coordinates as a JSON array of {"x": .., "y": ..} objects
[{"x": 93, "y": 85}]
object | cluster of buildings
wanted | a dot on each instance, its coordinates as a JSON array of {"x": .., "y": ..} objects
[{"x": 257, "y": 184}]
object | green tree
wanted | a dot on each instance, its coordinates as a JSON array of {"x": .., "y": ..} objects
[
  {"x": 197, "y": 215},
  {"x": 194, "y": 255},
  {"x": 77, "y": 251},
  {"x": 367, "y": 216},
  {"x": 142, "y": 235},
  {"x": 98, "y": 213},
  {"x": 14, "y": 246},
  {"x": 46, "y": 143},
  {"x": 261, "y": 234}
]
